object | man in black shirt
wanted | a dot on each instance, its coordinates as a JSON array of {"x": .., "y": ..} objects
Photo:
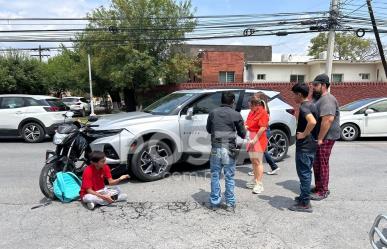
[
  {"x": 223, "y": 124},
  {"x": 306, "y": 145}
]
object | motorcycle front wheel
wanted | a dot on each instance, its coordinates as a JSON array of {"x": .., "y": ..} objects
[{"x": 47, "y": 178}]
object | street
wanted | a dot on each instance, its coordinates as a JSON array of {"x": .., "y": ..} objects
[{"x": 172, "y": 213}]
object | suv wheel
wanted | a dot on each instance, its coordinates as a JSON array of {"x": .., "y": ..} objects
[
  {"x": 278, "y": 145},
  {"x": 33, "y": 133},
  {"x": 151, "y": 161}
]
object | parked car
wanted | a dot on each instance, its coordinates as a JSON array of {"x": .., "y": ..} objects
[
  {"x": 364, "y": 118},
  {"x": 78, "y": 105},
  {"x": 30, "y": 116},
  {"x": 173, "y": 128}
]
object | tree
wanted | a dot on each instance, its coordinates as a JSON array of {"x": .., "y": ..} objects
[
  {"x": 19, "y": 73},
  {"x": 347, "y": 47},
  {"x": 66, "y": 71},
  {"x": 135, "y": 52}
]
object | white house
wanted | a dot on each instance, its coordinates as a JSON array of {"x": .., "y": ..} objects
[{"x": 295, "y": 71}]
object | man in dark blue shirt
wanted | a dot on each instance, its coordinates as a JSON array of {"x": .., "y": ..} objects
[{"x": 306, "y": 145}]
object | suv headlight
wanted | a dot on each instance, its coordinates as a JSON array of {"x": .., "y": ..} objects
[{"x": 103, "y": 133}]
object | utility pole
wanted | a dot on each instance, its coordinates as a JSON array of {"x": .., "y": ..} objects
[
  {"x": 377, "y": 36},
  {"x": 40, "y": 53},
  {"x": 91, "y": 87},
  {"x": 331, "y": 38}
]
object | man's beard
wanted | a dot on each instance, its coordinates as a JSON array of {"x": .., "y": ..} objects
[{"x": 316, "y": 95}]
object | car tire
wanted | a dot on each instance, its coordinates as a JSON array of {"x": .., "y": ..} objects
[
  {"x": 33, "y": 133},
  {"x": 278, "y": 145},
  {"x": 349, "y": 132},
  {"x": 151, "y": 161}
]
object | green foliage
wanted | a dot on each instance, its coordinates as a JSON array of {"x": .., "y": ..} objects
[
  {"x": 19, "y": 73},
  {"x": 139, "y": 54},
  {"x": 347, "y": 47},
  {"x": 66, "y": 71}
]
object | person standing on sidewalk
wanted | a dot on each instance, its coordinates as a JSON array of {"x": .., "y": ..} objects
[
  {"x": 306, "y": 145},
  {"x": 274, "y": 167},
  {"x": 329, "y": 131},
  {"x": 224, "y": 123},
  {"x": 257, "y": 123}
]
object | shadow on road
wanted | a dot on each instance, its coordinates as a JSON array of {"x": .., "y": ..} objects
[
  {"x": 201, "y": 197},
  {"x": 279, "y": 202},
  {"x": 291, "y": 185}
]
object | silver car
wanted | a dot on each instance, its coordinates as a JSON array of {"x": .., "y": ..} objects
[{"x": 174, "y": 129}]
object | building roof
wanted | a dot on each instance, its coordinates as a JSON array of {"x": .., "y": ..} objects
[{"x": 252, "y": 53}]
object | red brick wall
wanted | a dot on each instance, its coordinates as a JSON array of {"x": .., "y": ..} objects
[
  {"x": 215, "y": 62},
  {"x": 344, "y": 92}
]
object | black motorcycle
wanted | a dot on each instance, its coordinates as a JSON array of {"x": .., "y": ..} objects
[{"x": 71, "y": 153}]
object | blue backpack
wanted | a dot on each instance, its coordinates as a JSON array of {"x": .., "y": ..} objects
[{"x": 67, "y": 186}]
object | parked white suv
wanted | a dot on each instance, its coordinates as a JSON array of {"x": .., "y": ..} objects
[
  {"x": 30, "y": 116},
  {"x": 174, "y": 129},
  {"x": 78, "y": 105}
]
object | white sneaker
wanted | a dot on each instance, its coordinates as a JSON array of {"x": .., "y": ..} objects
[
  {"x": 251, "y": 173},
  {"x": 273, "y": 172},
  {"x": 90, "y": 205},
  {"x": 122, "y": 197},
  {"x": 251, "y": 184},
  {"x": 258, "y": 188}
]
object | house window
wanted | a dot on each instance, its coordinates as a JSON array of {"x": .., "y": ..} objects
[
  {"x": 261, "y": 76},
  {"x": 297, "y": 78},
  {"x": 226, "y": 77},
  {"x": 364, "y": 76},
  {"x": 337, "y": 77}
]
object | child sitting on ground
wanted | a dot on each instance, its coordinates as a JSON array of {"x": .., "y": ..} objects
[{"x": 93, "y": 191}]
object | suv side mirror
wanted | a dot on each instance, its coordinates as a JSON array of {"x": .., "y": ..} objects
[
  {"x": 368, "y": 111},
  {"x": 190, "y": 113}
]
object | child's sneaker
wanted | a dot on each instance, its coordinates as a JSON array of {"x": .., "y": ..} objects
[{"x": 90, "y": 205}]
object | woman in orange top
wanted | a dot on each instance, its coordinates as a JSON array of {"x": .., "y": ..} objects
[{"x": 257, "y": 123}]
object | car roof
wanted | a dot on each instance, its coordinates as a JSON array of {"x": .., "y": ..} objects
[
  {"x": 270, "y": 93},
  {"x": 72, "y": 97},
  {"x": 28, "y": 95}
]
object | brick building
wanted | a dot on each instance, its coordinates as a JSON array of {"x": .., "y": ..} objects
[
  {"x": 224, "y": 63},
  {"x": 222, "y": 66}
]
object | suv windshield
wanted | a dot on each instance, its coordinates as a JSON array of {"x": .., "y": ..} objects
[
  {"x": 168, "y": 104},
  {"x": 355, "y": 105}
]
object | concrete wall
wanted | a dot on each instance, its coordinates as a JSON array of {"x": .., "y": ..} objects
[
  {"x": 276, "y": 72},
  {"x": 281, "y": 72}
]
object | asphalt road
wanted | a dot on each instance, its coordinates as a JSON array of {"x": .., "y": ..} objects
[{"x": 172, "y": 213}]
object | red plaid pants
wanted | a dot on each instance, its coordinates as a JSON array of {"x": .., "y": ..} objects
[{"x": 321, "y": 166}]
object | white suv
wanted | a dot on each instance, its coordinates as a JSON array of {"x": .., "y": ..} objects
[
  {"x": 30, "y": 116},
  {"x": 174, "y": 128},
  {"x": 78, "y": 105}
]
